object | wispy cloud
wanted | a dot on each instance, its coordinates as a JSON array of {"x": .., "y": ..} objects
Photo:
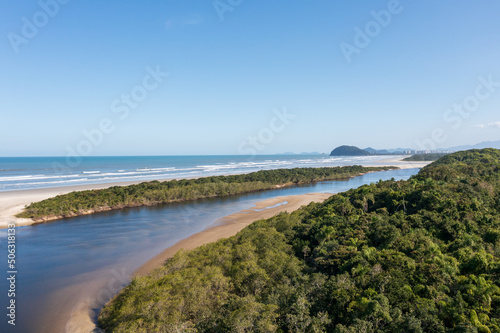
[
  {"x": 495, "y": 124},
  {"x": 181, "y": 23}
]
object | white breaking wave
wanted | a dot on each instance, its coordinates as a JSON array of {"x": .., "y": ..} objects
[
  {"x": 54, "y": 182},
  {"x": 183, "y": 170},
  {"x": 34, "y": 177}
]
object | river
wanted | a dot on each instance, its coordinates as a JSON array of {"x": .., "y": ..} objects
[{"x": 69, "y": 265}]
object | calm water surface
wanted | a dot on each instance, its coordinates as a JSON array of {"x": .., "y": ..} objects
[{"x": 63, "y": 264}]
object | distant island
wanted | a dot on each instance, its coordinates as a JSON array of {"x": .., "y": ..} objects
[
  {"x": 349, "y": 151},
  {"x": 355, "y": 151}
]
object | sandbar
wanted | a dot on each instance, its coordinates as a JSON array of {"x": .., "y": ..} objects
[
  {"x": 13, "y": 202},
  {"x": 232, "y": 224}
]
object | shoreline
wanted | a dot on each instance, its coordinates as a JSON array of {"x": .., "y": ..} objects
[
  {"x": 230, "y": 225},
  {"x": 13, "y": 202},
  {"x": 80, "y": 312},
  {"x": 81, "y": 316}
]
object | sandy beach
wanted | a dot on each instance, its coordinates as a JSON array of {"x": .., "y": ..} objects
[{"x": 13, "y": 202}]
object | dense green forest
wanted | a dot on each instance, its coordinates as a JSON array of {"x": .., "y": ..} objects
[
  {"x": 155, "y": 193},
  {"x": 421, "y": 255},
  {"x": 425, "y": 157}
]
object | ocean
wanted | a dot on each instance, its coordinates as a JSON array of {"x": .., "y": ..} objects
[{"x": 22, "y": 173}]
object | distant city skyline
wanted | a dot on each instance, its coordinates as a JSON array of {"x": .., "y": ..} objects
[{"x": 227, "y": 78}]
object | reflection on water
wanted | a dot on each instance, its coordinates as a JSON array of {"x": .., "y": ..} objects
[
  {"x": 273, "y": 206},
  {"x": 83, "y": 258}
]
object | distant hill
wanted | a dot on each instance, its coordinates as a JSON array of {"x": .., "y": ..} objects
[
  {"x": 377, "y": 151},
  {"x": 349, "y": 151},
  {"x": 396, "y": 151},
  {"x": 482, "y": 145},
  {"x": 355, "y": 151}
]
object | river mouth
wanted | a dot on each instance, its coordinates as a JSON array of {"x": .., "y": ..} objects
[{"x": 69, "y": 268}]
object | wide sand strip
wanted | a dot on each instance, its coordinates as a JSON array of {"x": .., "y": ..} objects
[
  {"x": 232, "y": 224},
  {"x": 13, "y": 202}
]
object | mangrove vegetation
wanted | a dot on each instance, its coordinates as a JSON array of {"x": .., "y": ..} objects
[{"x": 155, "y": 192}]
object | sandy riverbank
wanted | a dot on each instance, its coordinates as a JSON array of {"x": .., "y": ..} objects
[
  {"x": 232, "y": 224},
  {"x": 13, "y": 202},
  {"x": 76, "y": 302}
]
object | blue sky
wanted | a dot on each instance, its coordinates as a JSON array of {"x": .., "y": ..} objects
[{"x": 246, "y": 76}]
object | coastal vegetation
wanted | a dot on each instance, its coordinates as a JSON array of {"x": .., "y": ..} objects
[
  {"x": 425, "y": 157},
  {"x": 421, "y": 255},
  {"x": 155, "y": 192}
]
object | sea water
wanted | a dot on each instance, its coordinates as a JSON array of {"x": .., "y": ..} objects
[{"x": 21, "y": 173}]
